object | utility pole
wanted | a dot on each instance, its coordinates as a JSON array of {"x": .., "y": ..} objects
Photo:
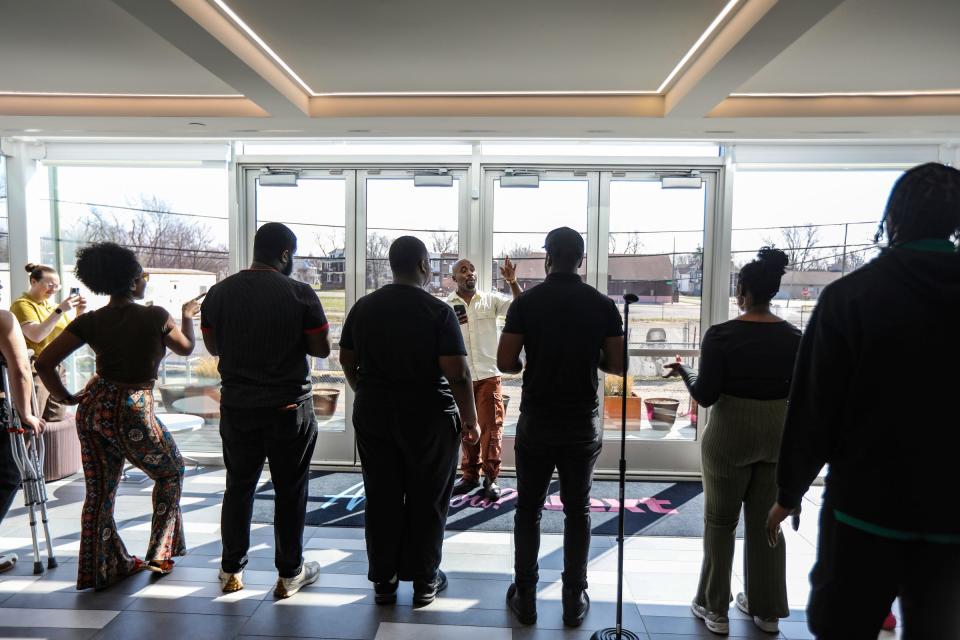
[{"x": 843, "y": 264}]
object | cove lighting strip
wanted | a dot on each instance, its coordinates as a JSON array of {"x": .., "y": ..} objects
[
  {"x": 68, "y": 94},
  {"x": 850, "y": 94},
  {"x": 238, "y": 21}
]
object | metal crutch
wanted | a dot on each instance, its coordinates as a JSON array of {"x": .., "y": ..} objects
[{"x": 28, "y": 454}]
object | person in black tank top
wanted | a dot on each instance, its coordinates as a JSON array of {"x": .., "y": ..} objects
[
  {"x": 746, "y": 366},
  {"x": 115, "y": 418}
]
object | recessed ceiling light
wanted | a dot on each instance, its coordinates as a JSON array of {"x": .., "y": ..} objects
[
  {"x": 197, "y": 124},
  {"x": 32, "y": 130},
  {"x": 262, "y": 44}
]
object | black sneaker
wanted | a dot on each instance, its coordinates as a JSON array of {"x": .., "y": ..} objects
[
  {"x": 576, "y": 603},
  {"x": 462, "y": 486},
  {"x": 426, "y": 592},
  {"x": 491, "y": 490},
  {"x": 523, "y": 603},
  {"x": 386, "y": 592}
]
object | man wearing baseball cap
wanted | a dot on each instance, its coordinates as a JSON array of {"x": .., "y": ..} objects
[{"x": 569, "y": 330}]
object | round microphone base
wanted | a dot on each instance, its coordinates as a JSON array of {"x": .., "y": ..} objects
[{"x": 611, "y": 634}]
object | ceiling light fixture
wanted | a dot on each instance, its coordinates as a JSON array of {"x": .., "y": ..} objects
[
  {"x": 238, "y": 21},
  {"x": 67, "y": 94},
  {"x": 696, "y": 45},
  {"x": 263, "y": 45},
  {"x": 849, "y": 94}
]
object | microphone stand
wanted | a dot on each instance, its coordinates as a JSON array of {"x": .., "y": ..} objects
[{"x": 618, "y": 632}]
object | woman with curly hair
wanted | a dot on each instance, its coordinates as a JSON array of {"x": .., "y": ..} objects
[{"x": 115, "y": 419}]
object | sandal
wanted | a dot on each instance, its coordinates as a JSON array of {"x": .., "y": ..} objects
[{"x": 163, "y": 567}]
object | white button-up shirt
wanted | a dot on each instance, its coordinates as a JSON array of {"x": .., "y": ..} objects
[{"x": 480, "y": 332}]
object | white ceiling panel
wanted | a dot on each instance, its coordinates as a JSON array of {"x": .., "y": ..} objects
[
  {"x": 91, "y": 46},
  {"x": 494, "y": 45},
  {"x": 871, "y": 45}
]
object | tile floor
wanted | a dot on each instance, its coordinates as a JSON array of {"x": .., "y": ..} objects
[{"x": 661, "y": 577}]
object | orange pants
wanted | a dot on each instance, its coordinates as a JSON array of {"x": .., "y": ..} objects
[{"x": 486, "y": 453}]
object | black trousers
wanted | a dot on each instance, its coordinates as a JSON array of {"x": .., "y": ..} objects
[
  {"x": 858, "y": 575},
  {"x": 409, "y": 463},
  {"x": 9, "y": 474},
  {"x": 286, "y": 440},
  {"x": 571, "y": 447}
]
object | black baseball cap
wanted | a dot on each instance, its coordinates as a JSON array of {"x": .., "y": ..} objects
[{"x": 566, "y": 241}]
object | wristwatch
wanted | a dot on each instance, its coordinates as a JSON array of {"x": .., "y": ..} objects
[{"x": 58, "y": 311}]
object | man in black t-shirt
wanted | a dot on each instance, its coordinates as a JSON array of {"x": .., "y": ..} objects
[
  {"x": 263, "y": 325},
  {"x": 402, "y": 353},
  {"x": 568, "y": 330}
]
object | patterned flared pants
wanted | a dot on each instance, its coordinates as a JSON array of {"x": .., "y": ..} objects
[{"x": 115, "y": 424}]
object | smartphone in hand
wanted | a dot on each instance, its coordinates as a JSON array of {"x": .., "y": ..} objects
[{"x": 74, "y": 291}]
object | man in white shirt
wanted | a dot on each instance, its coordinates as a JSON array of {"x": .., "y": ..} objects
[{"x": 477, "y": 312}]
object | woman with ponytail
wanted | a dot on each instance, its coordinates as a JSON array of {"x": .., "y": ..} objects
[
  {"x": 746, "y": 366},
  {"x": 42, "y": 321}
]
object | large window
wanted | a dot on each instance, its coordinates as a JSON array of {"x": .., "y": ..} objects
[
  {"x": 175, "y": 219},
  {"x": 824, "y": 220}
]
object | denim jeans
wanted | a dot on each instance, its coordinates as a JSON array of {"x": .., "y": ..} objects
[{"x": 571, "y": 446}]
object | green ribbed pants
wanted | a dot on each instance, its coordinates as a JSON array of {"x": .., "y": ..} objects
[{"x": 739, "y": 455}]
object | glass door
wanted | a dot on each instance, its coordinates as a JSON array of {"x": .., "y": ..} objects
[
  {"x": 522, "y": 206},
  {"x": 345, "y": 221},
  {"x": 319, "y": 209},
  {"x": 425, "y": 203},
  {"x": 656, "y": 233},
  {"x": 641, "y": 237}
]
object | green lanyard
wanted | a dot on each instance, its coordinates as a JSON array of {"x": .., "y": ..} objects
[{"x": 938, "y": 245}]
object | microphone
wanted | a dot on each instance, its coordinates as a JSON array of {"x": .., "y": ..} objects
[{"x": 630, "y": 298}]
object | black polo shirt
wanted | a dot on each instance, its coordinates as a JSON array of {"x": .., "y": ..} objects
[
  {"x": 399, "y": 333},
  {"x": 564, "y": 323},
  {"x": 260, "y": 319}
]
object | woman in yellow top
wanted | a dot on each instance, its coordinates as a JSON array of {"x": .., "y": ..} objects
[{"x": 42, "y": 321}]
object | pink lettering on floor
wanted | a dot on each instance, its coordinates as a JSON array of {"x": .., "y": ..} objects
[{"x": 553, "y": 503}]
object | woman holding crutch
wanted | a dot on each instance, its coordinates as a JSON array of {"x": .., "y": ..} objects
[
  {"x": 115, "y": 419},
  {"x": 14, "y": 352}
]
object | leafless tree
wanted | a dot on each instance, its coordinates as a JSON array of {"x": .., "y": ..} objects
[
  {"x": 329, "y": 241},
  {"x": 159, "y": 237},
  {"x": 518, "y": 251},
  {"x": 799, "y": 242},
  {"x": 378, "y": 267},
  {"x": 443, "y": 243},
  {"x": 632, "y": 243}
]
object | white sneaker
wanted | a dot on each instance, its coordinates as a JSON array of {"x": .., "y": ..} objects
[
  {"x": 7, "y": 562},
  {"x": 714, "y": 621},
  {"x": 770, "y": 625},
  {"x": 231, "y": 582},
  {"x": 286, "y": 587}
]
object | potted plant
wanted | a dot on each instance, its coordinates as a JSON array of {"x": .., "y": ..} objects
[
  {"x": 613, "y": 401},
  {"x": 662, "y": 412},
  {"x": 325, "y": 401}
]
